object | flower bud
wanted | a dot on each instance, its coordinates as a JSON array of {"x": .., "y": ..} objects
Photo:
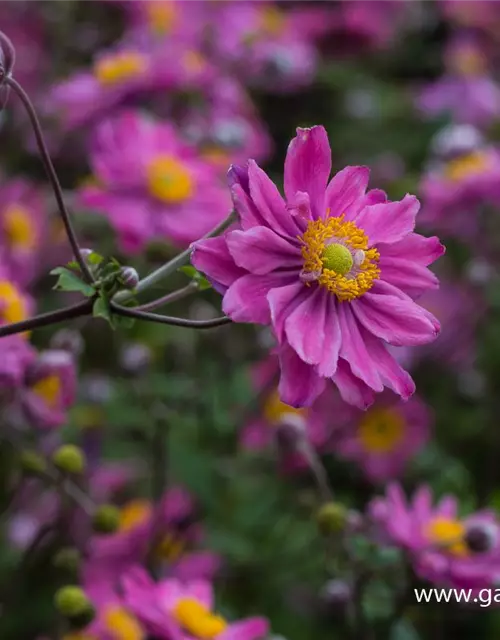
[
  {"x": 32, "y": 462},
  {"x": 129, "y": 277},
  {"x": 331, "y": 518},
  {"x": 290, "y": 433},
  {"x": 72, "y": 602},
  {"x": 106, "y": 519},
  {"x": 135, "y": 358},
  {"x": 69, "y": 459},
  {"x": 85, "y": 253},
  {"x": 68, "y": 340},
  {"x": 7, "y": 55},
  {"x": 67, "y": 559},
  {"x": 480, "y": 537},
  {"x": 334, "y": 596}
]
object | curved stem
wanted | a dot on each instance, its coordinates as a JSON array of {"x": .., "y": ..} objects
[
  {"x": 52, "y": 175},
  {"x": 169, "y": 297},
  {"x": 174, "y": 264},
  {"x": 170, "y": 320},
  {"x": 44, "y": 319}
]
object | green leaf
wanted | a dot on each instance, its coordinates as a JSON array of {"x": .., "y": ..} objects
[
  {"x": 102, "y": 309},
  {"x": 95, "y": 258},
  {"x": 196, "y": 276},
  {"x": 70, "y": 281}
]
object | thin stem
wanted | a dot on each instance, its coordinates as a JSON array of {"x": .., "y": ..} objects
[
  {"x": 45, "y": 319},
  {"x": 170, "y": 320},
  {"x": 169, "y": 297},
  {"x": 171, "y": 267},
  {"x": 318, "y": 471},
  {"x": 52, "y": 175}
]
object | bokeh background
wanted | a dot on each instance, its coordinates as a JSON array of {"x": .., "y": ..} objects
[{"x": 144, "y": 105}]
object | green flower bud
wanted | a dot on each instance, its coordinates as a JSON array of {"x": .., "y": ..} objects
[
  {"x": 32, "y": 462},
  {"x": 106, "y": 519},
  {"x": 69, "y": 459},
  {"x": 71, "y": 602},
  {"x": 67, "y": 559},
  {"x": 331, "y": 518}
]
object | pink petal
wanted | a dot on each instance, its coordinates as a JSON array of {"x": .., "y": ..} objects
[
  {"x": 299, "y": 384},
  {"x": 269, "y": 202},
  {"x": 250, "y": 629},
  {"x": 246, "y": 299},
  {"x": 399, "y": 321},
  {"x": 282, "y": 301},
  {"x": 307, "y": 167},
  {"x": 345, "y": 192},
  {"x": 390, "y": 371},
  {"x": 388, "y": 222},
  {"x": 212, "y": 258},
  {"x": 353, "y": 390},
  {"x": 202, "y": 591},
  {"x": 407, "y": 275},
  {"x": 247, "y": 211},
  {"x": 312, "y": 329},
  {"x": 354, "y": 351},
  {"x": 260, "y": 250},
  {"x": 416, "y": 248}
]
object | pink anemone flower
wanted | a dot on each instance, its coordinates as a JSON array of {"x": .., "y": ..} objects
[{"x": 333, "y": 269}]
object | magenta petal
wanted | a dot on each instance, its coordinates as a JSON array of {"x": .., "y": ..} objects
[
  {"x": 249, "y": 629},
  {"x": 307, "y": 167},
  {"x": 247, "y": 211},
  {"x": 260, "y": 250},
  {"x": 391, "y": 372},
  {"x": 299, "y": 384},
  {"x": 282, "y": 302},
  {"x": 353, "y": 390},
  {"x": 212, "y": 258},
  {"x": 388, "y": 222},
  {"x": 407, "y": 275},
  {"x": 397, "y": 320},
  {"x": 269, "y": 202},
  {"x": 346, "y": 190},
  {"x": 312, "y": 330},
  {"x": 246, "y": 299},
  {"x": 416, "y": 248},
  {"x": 354, "y": 351}
]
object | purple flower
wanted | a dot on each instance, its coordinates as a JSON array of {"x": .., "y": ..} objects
[
  {"x": 383, "y": 439},
  {"x": 22, "y": 227},
  {"x": 49, "y": 388},
  {"x": 165, "y": 192},
  {"x": 184, "y": 611},
  {"x": 437, "y": 540},
  {"x": 333, "y": 270}
]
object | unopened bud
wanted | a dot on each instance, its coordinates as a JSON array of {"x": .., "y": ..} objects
[
  {"x": 129, "y": 277},
  {"x": 67, "y": 559},
  {"x": 290, "y": 433},
  {"x": 72, "y": 602},
  {"x": 331, "y": 518},
  {"x": 480, "y": 537},
  {"x": 68, "y": 340},
  {"x": 85, "y": 253},
  {"x": 32, "y": 462},
  {"x": 334, "y": 596},
  {"x": 69, "y": 459},
  {"x": 106, "y": 519}
]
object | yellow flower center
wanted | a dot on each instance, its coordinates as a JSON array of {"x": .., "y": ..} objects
[
  {"x": 381, "y": 430},
  {"x": 161, "y": 15},
  {"x": 122, "y": 625},
  {"x": 469, "y": 62},
  {"x": 134, "y": 513},
  {"x": 447, "y": 533},
  {"x": 169, "y": 180},
  {"x": 120, "y": 67},
  {"x": 193, "y": 61},
  {"x": 171, "y": 547},
  {"x": 468, "y": 166},
  {"x": 272, "y": 21},
  {"x": 18, "y": 227},
  {"x": 49, "y": 389},
  {"x": 337, "y": 257},
  {"x": 276, "y": 412},
  {"x": 197, "y": 620},
  {"x": 13, "y": 307}
]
